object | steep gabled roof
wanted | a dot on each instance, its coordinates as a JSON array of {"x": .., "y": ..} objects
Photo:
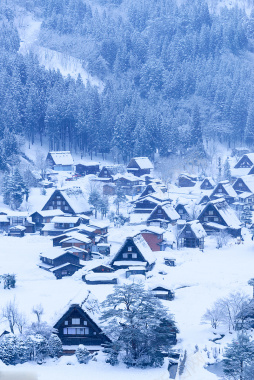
[
  {"x": 74, "y": 197},
  {"x": 142, "y": 163},
  {"x": 227, "y": 187},
  {"x": 225, "y": 211},
  {"x": 142, "y": 247},
  {"x": 248, "y": 181},
  {"x": 62, "y": 158},
  {"x": 169, "y": 210},
  {"x": 250, "y": 157}
]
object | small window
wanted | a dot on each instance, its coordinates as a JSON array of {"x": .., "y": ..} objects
[
  {"x": 71, "y": 224},
  {"x": 129, "y": 249},
  {"x": 66, "y": 323},
  {"x": 180, "y": 211},
  {"x": 125, "y": 255},
  {"x": 210, "y": 212},
  {"x": 94, "y": 333},
  {"x": 58, "y": 203},
  {"x": 206, "y": 219},
  {"x": 134, "y": 255},
  {"x": 219, "y": 190},
  {"x": 85, "y": 323},
  {"x": 66, "y": 208},
  {"x": 76, "y": 321},
  {"x": 216, "y": 219},
  {"x": 159, "y": 211},
  {"x": 240, "y": 184}
]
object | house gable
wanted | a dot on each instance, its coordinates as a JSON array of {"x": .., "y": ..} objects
[
  {"x": 244, "y": 162},
  {"x": 206, "y": 184},
  {"x": 129, "y": 252},
  {"x": 211, "y": 214},
  {"x": 77, "y": 327},
  {"x": 182, "y": 212},
  {"x": 58, "y": 201},
  {"x": 240, "y": 186}
]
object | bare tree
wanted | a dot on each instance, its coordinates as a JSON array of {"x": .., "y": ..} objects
[
  {"x": 251, "y": 283},
  {"x": 10, "y": 312},
  {"x": 21, "y": 322},
  {"x": 214, "y": 315},
  {"x": 227, "y": 310},
  {"x": 222, "y": 239},
  {"x": 38, "y": 311}
]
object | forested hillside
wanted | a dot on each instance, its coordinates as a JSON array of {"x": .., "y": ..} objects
[{"x": 174, "y": 76}]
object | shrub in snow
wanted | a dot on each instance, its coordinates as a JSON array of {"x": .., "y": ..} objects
[
  {"x": 41, "y": 348},
  {"x": 55, "y": 346},
  {"x": 9, "y": 280},
  {"x": 83, "y": 355},
  {"x": 8, "y": 350}
]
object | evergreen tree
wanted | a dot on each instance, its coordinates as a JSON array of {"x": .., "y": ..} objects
[
  {"x": 8, "y": 349},
  {"x": 138, "y": 325},
  {"x": 41, "y": 348},
  {"x": 196, "y": 128},
  {"x": 238, "y": 355},
  {"x": 227, "y": 170},
  {"x": 246, "y": 216}
]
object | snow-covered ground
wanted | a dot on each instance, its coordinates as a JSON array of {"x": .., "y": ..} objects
[
  {"x": 198, "y": 279},
  {"x": 29, "y": 30}
]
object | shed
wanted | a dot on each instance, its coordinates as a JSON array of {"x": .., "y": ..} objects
[
  {"x": 18, "y": 231},
  {"x": 60, "y": 161}
]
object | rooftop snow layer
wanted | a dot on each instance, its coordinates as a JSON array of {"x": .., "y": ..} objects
[{"x": 62, "y": 158}]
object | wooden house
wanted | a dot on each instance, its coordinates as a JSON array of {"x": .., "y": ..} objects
[
  {"x": 67, "y": 269},
  {"x": 128, "y": 183},
  {"x": 87, "y": 169},
  {"x": 107, "y": 173},
  {"x": 56, "y": 257},
  {"x": 153, "y": 188},
  {"x": 101, "y": 230},
  {"x": 70, "y": 200},
  {"x": 60, "y": 161},
  {"x": 17, "y": 231},
  {"x": 42, "y": 217},
  {"x": 134, "y": 251},
  {"x": 218, "y": 215},
  {"x": 192, "y": 235},
  {"x": 76, "y": 239},
  {"x": 134, "y": 271},
  {"x": 154, "y": 237},
  {"x": 187, "y": 180},
  {"x": 77, "y": 327},
  {"x": 224, "y": 189},
  {"x": 244, "y": 184},
  {"x": 81, "y": 253},
  {"x": 30, "y": 227},
  {"x": 17, "y": 218},
  {"x": 139, "y": 166},
  {"x": 163, "y": 215},
  {"x": 103, "y": 248},
  {"x": 244, "y": 199},
  {"x": 207, "y": 184},
  {"x": 100, "y": 278},
  {"x": 246, "y": 161},
  {"x": 184, "y": 210},
  {"x": 163, "y": 293}
]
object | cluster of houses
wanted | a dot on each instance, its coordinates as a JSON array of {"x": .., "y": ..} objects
[{"x": 162, "y": 219}]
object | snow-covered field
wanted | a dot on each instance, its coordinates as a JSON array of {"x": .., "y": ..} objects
[{"x": 198, "y": 280}]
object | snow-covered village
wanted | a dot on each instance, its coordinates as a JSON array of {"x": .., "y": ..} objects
[{"x": 126, "y": 189}]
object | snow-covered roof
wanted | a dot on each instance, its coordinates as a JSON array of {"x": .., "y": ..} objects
[
  {"x": 153, "y": 229},
  {"x": 48, "y": 227},
  {"x": 143, "y": 162},
  {"x": 170, "y": 211},
  {"x": 23, "y": 214},
  {"x": 249, "y": 181},
  {"x": 128, "y": 176},
  {"x": 216, "y": 225},
  {"x": 65, "y": 219},
  {"x": 76, "y": 199},
  {"x": 62, "y": 158},
  {"x": 53, "y": 253},
  {"x": 129, "y": 263},
  {"x": 106, "y": 276},
  {"x": 63, "y": 266},
  {"x": 245, "y": 195},
  {"x": 210, "y": 179},
  {"x": 46, "y": 213},
  {"x": 77, "y": 236},
  {"x": 99, "y": 224},
  {"x": 3, "y": 218},
  {"x": 144, "y": 248},
  {"x": 229, "y": 188},
  {"x": 169, "y": 237},
  {"x": 138, "y": 267},
  {"x": 197, "y": 229},
  {"x": 21, "y": 228},
  {"x": 226, "y": 212}
]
